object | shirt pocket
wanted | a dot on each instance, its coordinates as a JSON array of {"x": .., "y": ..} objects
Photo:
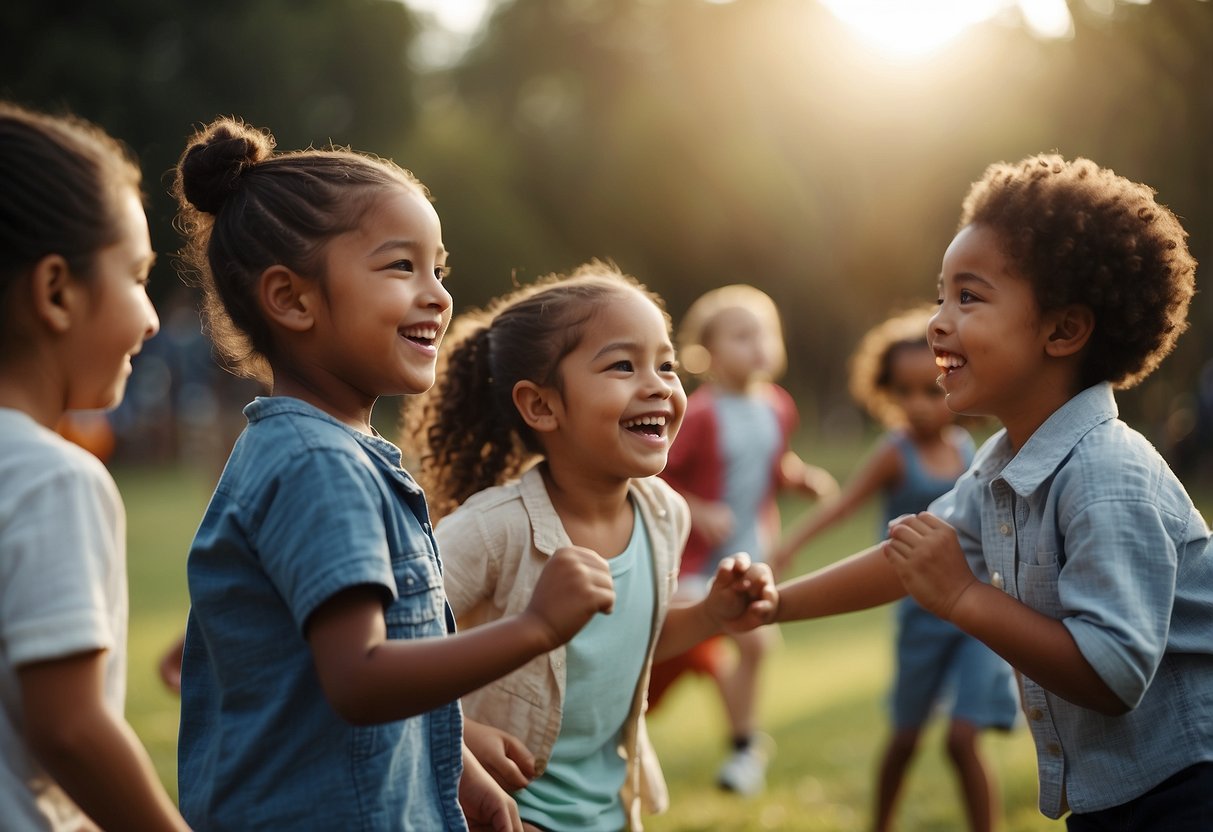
[
  {"x": 418, "y": 608},
  {"x": 1037, "y": 584}
]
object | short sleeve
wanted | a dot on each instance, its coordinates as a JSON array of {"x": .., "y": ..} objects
[
  {"x": 63, "y": 566},
  {"x": 324, "y": 531}
]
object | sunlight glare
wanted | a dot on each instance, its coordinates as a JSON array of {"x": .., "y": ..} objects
[
  {"x": 1047, "y": 18},
  {"x": 911, "y": 30}
]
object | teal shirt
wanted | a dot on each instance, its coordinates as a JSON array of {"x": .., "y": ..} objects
[{"x": 579, "y": 790}]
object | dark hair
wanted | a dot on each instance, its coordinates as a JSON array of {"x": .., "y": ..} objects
[
  {"x": 244, "y": 208},
  {"x": 61, "y": 180},
  {"x": 871, "y": 365},
  {"x": 1082, "y": 234},
  {"x": 471, "y": 435}
]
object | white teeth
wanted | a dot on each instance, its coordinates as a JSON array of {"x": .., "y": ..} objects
[
  {"x": 645, "y": 420},
  {"x": 430, "y": 332},
  {"x": 948, "y": 361}
]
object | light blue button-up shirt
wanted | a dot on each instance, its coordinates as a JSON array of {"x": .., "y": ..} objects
[
  {"x": 1087, "y": 524},
  {"x": 306, "y": 508}
]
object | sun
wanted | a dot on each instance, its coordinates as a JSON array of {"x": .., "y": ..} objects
[{"x": 910, "y": 29}]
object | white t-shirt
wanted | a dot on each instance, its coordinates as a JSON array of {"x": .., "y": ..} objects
[{"x": 62, "y": 592}]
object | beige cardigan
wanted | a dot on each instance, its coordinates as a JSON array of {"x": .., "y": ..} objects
[{"x": 493, "y": 549}]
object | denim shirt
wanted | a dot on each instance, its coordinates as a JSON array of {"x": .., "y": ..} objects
[
  {"x": 306, "y": 508},
  {"x": 1088, "y": 525}
]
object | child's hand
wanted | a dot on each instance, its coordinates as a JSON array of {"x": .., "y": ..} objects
[
  {"x": 574, "y": 585},
  {"x": 485, "y": 804},
  {"x": 810, "y": 479},
  {"x": 713, "y": 521},
  {"x": 503, "y": 755},
  {"x": 742, "y": 595},
  {"x": 926, "y": 554}
]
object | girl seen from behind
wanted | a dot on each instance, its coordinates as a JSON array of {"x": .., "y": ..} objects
[
  {"x": 894, "y": 376},
  {"x": 320, "y": 671},
  {"x": 552, "y": 418},
  {"x": 74, "y": 260}
]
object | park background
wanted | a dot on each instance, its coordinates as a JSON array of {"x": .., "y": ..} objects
[{"x": 818, "y": 150}]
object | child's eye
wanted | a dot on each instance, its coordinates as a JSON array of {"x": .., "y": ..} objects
[
  {"x": 403, "y": 265},
  {"x": 966, "y": 296},
  {"x": 622, "y": 365},
  {"x": 442, "y": 273},
  {"x": 669, "y": 367}
]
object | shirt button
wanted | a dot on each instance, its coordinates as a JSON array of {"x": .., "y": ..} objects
[
  {"x": 996, "y": 580},
  {"x": 1004, "y": 530},
  {"x": 1053, "y": 748},
  {"x": 1035, "y": 714}
]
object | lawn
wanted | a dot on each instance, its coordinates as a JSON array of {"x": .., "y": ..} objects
[{"x": 822, "y": 699}]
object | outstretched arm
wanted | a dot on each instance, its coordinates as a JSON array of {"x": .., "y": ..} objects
[
  {"x": 927, "y": 555},
  {"x": 90, "y": 751},
  {"x": 865, "y": 579},
  {"x": 369, "y": 678}
]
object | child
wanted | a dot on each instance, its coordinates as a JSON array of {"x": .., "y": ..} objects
[
  {"x": 730, "y": 462},
  {"x": 319, "y": 684},
  {"x": 893, "y": 375},
  {"x": 1064, "y": 282},
  {"x": 578, "y": 375},
  {"x": 75, "y": 255}
]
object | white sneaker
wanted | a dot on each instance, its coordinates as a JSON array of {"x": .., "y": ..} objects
[{"x": 745, "y": 771}]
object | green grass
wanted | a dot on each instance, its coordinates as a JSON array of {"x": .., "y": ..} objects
[{"x": 823, "y": 693}]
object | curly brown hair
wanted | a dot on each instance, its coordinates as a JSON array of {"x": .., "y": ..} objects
[
  {"x": 469, "y": 434},
  {"x": 244, "y": 208},
  {"x": 1083, "y": 234},
  {"x": 871, "y": 365}
]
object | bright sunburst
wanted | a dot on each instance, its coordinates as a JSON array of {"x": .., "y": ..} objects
[{"x": 916, "y": 28}]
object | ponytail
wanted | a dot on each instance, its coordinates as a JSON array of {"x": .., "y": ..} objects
[{"x": 470, "y": 441}]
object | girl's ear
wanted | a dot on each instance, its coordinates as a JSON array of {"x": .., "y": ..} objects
[
  {"x": 55, "y": 294},
  {"x": 1072, "y": 328},
  {"x": 534, "y": 403},
  {"x": 288, "y": 299}
]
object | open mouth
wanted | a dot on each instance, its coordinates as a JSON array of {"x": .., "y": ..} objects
[
  {"x": 948, "y": 362},
  {"x": 425, "y": 336},
  {"x": 646, "y": 425}
]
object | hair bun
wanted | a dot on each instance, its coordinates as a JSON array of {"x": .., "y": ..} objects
[{"x": 213, "y": 163}]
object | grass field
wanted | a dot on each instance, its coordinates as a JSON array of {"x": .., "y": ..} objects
[{"x": 822, "y": 700}]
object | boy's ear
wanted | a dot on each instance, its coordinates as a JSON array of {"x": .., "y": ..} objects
[
  {"x": 535, "y": 406},
  {"x": 54, "y": 293},
  {"x": 1072, "y": 328},
  {"x": 288, "y": 299}
]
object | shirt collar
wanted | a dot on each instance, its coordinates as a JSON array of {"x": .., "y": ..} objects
[
  {"x": 1055, "y": 439},
  {"x": 263, "y": 407}
]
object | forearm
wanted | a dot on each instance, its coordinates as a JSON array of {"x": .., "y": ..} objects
[
  {"x": 1039, "y": 647},
  {"x": 861, "y": 581},
  {"x": 400, "y": 678},
  {"x": 684, "y": 627},
  {"x": 98, "y": 761}
]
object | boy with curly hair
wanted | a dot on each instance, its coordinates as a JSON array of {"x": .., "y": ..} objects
[{"x": 1064, "y": 283}]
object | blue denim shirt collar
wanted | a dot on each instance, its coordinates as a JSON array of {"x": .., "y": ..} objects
[
  {"x": 263, "y": 407},
  {"x": 1054, "y": 440}
]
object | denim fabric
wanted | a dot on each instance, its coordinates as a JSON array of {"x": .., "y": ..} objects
[
  {"x": 306, "y": 508},
  {"x": 1088, "y": 525}
]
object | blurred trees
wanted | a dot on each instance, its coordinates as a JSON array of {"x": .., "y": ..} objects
[{"x": 693, "y": 142}]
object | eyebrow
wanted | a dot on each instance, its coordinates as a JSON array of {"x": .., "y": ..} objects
[
  {"x": 966, "y": 277},
  {"x": 405, "y": 244},
  {"x": 627, "y": 346}
]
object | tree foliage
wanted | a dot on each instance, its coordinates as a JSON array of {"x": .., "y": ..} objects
[{"x": 693, "y": 142}]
